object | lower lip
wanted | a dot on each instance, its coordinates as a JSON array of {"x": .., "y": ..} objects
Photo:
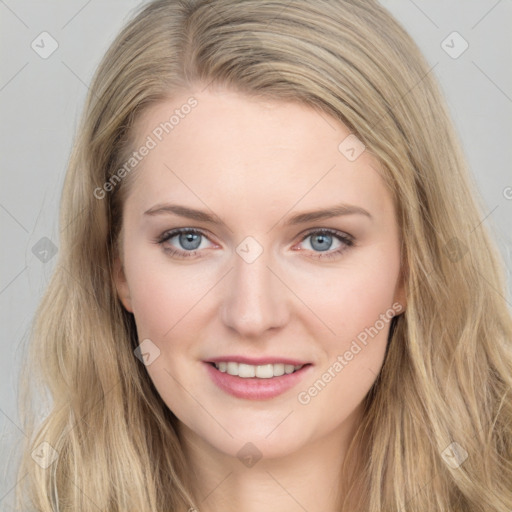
[{"x": 255, "y": 388}]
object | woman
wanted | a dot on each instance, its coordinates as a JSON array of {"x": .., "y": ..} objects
[{"x": 271, "y": 292}]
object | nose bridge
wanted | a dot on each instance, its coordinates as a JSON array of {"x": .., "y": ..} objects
[{"x": 255, "y": 300}]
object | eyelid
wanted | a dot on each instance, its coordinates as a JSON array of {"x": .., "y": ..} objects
[
  {"x": 346, "y": 238},
  {"x": 341, "y": 234},
  {"x": 175, "y": 231},
  {"x": 171, "y": 233}
]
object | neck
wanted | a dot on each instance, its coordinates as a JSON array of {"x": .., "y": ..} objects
[{"x": 309, "y": 478}]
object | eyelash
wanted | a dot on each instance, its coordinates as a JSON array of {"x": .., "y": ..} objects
[{"x": 346, "y": 239}]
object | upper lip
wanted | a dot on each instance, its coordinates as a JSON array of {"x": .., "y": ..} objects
[{"x": 257, "y": 361}]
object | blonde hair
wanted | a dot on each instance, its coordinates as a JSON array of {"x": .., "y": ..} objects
[{"x": 447, "y": 374}]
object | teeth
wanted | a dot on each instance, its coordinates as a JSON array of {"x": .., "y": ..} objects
[{"x": 264, "y": 371}]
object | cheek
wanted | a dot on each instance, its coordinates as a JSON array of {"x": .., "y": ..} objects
[
  {"x": 172, "y": 305},
  {"x": 349, "y": 298},
  {"x": 367, "y": 295},
  {"x": 358, "y": 306},
  {"x": 353, "y": 296},
  {"x": 162, "y": 292}
]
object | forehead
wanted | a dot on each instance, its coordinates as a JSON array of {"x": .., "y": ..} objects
[{"x": 230, "y": 147}]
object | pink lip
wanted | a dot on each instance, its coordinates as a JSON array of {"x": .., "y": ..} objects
[
  {"x": 257, "y": 360},
  {"x": 255, "y": 388}
]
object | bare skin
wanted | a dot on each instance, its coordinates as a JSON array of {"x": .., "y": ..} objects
[{"x": 254, "y": 164}]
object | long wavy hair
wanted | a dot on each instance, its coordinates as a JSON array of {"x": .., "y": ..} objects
[{"x": 444, "y": 391}]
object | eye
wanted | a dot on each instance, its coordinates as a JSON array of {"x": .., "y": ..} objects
[
  {"x": 321, "y": 241},
  {"x": 189, "y": 241}
]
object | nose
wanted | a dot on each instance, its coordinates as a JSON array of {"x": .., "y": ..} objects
[{"x": 255, "y": 299}]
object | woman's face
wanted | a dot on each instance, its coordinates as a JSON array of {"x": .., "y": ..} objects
[{"x": 257, "y": 280}]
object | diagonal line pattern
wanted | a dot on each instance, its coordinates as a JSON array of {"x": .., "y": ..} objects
[
  {"x": 83, "y": 493},
  {"x": 437, "y": 473},
  {"x": 280, "y": 12},
  {"x": 485, "y": 15},
  {"x": 13, "y": 13},
  {"x": 424, "y": 13},
  {"x": 199, "y": 403},
  {"x": 165, "y": 165},
  {"x": 491, "y": 286},
  {"x": 216, "y": 487},
  {"x": 301, "y": 198},
  {"x": 81, "y": 286},
  {"x": 408, "y": 91},
  {"x": 14, "y": 76},
  {"x": 492, "y": 81},
  {"x": 482, "y": 221},
  {"x": 79, "y": 79},
  {"x": 93, "y": 407},
  {"x": 13, "y": 422},
  {"x": 301, "y": 300},
  {"x": 12, "y": 280},
  {"x": 12, "y": 488},
  {"x": 76, "y": 14},
  {"x": 287, "y": 492},
  {"x": 75, "y": 218},
  {"x": 280, "y": 423},
  {"x": 14, "y": 218},
  {"x": 211, "y": 288}
]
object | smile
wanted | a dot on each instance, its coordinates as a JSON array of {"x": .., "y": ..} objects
[
  {"x": 264, "y": 371},
  {"x": 256, "y": 382}
]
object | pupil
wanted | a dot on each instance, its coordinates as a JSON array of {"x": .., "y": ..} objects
[
  {"x": 323, "y": 244},
  {"x": 189, "y": 240}
]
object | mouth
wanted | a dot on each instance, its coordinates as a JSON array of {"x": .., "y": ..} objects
[
  {"x": 263, "y": 371},
  {"x": 256, "y": 382}
]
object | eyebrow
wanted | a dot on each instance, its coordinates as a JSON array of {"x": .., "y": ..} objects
[{"x": 300, "y": 218}]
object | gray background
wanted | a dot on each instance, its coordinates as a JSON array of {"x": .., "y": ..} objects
[{"x": 41, "y": 100}]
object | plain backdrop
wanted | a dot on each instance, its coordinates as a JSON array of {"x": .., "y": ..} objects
[{"x": 41, "y": 100}]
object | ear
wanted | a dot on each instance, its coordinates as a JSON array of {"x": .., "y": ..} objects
[
  {"x": 401, "y": 290},
  {"x": 123, "y": 291}
]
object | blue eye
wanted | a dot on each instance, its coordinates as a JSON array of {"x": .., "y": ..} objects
[
  {"x": 321, "y": 242},
  {"x": 189, "y": 239}
]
